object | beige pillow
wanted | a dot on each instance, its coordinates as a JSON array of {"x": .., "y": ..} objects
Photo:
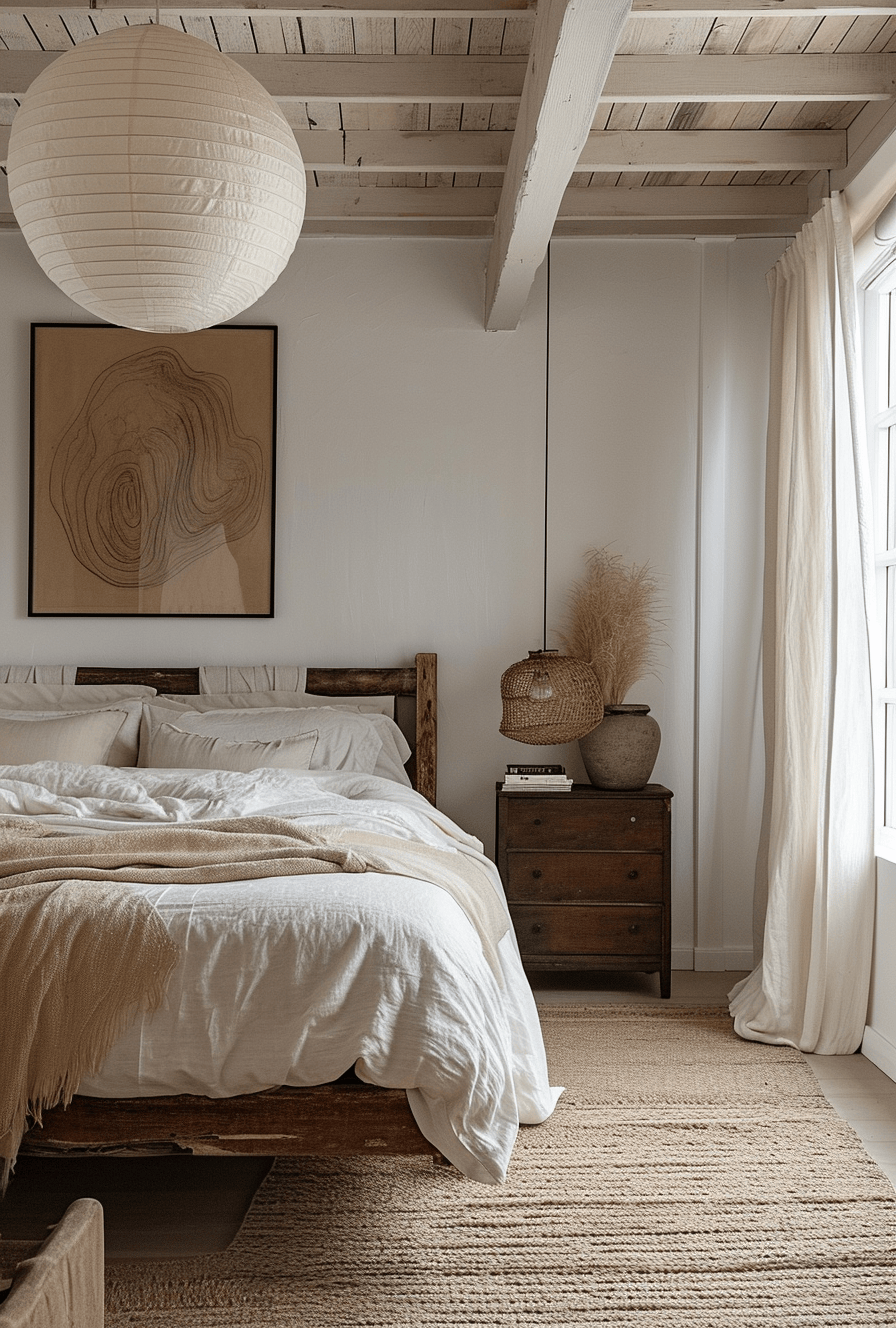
[
  {"x": 84, "y": 738},
  {"x": 123, "y": 750},
  {"x": 51, "y": 700},
  {"x": 171, "y": 748}
]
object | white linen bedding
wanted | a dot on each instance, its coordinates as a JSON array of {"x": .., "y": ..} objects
[{"x": 292, "y": 980}]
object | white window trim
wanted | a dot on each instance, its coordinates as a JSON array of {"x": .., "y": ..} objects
[{"x": 878, "y": 281}]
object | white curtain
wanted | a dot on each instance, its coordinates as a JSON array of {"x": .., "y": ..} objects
[{"x": 810, "y": 989}]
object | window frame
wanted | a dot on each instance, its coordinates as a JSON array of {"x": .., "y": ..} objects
[{"x": 877, "y": 291}]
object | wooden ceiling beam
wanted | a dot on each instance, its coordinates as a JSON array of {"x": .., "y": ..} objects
[
  {"x": 454, "y": 78},
  {"x": 645, "y": 204},
  {"x": 684, "y": 202},
  {"x": 669, "y": 9},
  {"x": 614, "y": 204},
  {"x": 356, "y": 78},
  {"x": 392, "y": 152},
  {"x": 614, "y": 150},
  {"x": 659, "y": 9},
  {"x": 240, "y": 9},
  {"x": 750, "y": 78},
  {"x": 571, "y": 53},
  {"x": 715, "y": 150},
  {"x": 674, "y": 204}
]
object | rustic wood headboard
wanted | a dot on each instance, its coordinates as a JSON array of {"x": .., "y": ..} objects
[{"x": 417, "y": 683}]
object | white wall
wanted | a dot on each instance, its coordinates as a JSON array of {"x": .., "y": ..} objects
[{"x": 410, "y": 502}]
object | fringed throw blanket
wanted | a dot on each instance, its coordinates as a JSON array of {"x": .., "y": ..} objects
[{"x": 81, "y": 954}]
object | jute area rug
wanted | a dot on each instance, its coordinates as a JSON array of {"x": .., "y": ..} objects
[{"x": 686, "y": 1180}]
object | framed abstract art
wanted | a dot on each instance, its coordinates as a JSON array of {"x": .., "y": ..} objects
[{"x": 152, "y": 471}]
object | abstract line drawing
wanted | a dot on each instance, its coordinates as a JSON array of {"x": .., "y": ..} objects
[
  {"x": 152, "y": 471},
  {"x": 153, "y": 474}
]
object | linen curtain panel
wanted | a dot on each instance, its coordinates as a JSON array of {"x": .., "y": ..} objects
[{"x": 810, "y": 989}]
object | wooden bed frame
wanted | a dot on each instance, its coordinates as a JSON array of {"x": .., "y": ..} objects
[{"x": 346, "y": 1117}]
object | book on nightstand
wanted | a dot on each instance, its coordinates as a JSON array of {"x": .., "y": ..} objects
[{"x": 548, "y": 777}]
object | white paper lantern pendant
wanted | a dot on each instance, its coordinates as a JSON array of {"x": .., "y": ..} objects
[{"x": 156, "y": 182}]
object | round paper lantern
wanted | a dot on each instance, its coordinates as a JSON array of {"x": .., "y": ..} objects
[{"x": 156, "y": 182}]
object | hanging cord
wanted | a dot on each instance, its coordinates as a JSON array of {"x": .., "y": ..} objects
[{"x": 547, "y": 432}]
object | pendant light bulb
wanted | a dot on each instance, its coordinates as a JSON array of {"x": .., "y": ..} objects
[{"x": 540, "y": 689}]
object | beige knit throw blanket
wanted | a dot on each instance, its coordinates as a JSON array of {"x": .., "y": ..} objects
[{"x": 81, "y": 954}]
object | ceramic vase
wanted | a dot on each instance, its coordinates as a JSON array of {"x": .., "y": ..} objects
[{"x": 621, "y": 752}]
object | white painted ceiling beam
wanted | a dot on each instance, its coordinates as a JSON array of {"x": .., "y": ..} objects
[
  {"x": 364, "y": 78},
  {"x": 572, "y": 49},
  {"x": 339, "y": 9},
  {"x": 391, "y": 152},
  {"x": 483, "y": 227},
  {"x": 750, "y": 78},
  {"x": 614, "y": 150},
  {"x": 667, "y": 9},
  {"x": 685, "y": 204},
  {"x": 659, "y": 9},
  {"x": 614, "y": 204},
  {"x": 714, "y": 150},
  {"x": 580, "y": 205},
  {"x": 454, "y": 78}
]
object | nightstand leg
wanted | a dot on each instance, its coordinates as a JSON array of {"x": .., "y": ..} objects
[{"x": 665, "y": 982}]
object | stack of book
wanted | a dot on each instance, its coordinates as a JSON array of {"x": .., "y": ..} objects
[{"x": 550, "y": 778}]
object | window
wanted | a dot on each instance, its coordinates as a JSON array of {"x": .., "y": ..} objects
[{"x": 880, "y": 376}]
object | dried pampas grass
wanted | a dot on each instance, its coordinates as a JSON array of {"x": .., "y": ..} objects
[{"x": 613, "y": 622}]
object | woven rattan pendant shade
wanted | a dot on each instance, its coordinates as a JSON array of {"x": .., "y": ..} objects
[{"x": 573, "y": 709}]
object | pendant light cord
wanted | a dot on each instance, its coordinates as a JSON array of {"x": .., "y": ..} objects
[{"x": 547, "y": 434}]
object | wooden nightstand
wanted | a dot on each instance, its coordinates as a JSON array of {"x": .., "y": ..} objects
[{"x": 588, "y": 877}]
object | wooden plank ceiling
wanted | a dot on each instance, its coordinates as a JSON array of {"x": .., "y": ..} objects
[{"x": 515, "y": 121}]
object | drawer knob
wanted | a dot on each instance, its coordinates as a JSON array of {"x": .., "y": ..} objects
[
  {"x": 537, "y": 875},
  {"x": 633, "y": 876},
  {"x": 536, "y": 926},
  {"x": 537, "y": 821},
  {"x": 635, "y": 928},
  {"x": 633, "y": 819}
]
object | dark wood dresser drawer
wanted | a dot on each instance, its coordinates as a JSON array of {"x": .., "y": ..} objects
[
  {"x": 577, "y": 824},
  {"x": 572, "y": 929},
  {"x": 587, "y": 875},
  {"x": 595, "y": 877}
]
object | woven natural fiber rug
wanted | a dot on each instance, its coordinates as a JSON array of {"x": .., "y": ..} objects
[{"x": 686, "y": 1180}]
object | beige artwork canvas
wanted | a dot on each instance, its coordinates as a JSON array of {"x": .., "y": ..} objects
[{"x": 152, "y": 471}]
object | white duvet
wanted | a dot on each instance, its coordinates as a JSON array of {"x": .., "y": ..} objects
[{"x": 293, "y": 980}]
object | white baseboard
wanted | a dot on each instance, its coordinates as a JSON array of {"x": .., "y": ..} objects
[
  {"x": 880, "y": 1050},
  {"x": 732, "y": 959}
]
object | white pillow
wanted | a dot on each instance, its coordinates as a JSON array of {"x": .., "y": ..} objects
[
  {"x": 374, "y": 705},
  {"x": 173, "y": 749},
  {"x": 122, "y": 751},
  {"x": 51, "y": 699},
  {"x": 393, "y": 752},
  {"x": 66, "y": 696},
  {"x": 345, "y": 741},
  {"x": 83, "y": 738}
]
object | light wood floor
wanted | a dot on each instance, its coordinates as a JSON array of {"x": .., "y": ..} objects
[{"x": 169, "y": 1207}]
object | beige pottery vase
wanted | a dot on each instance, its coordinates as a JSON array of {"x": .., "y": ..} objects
[{"x": 621, "y": 752}]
